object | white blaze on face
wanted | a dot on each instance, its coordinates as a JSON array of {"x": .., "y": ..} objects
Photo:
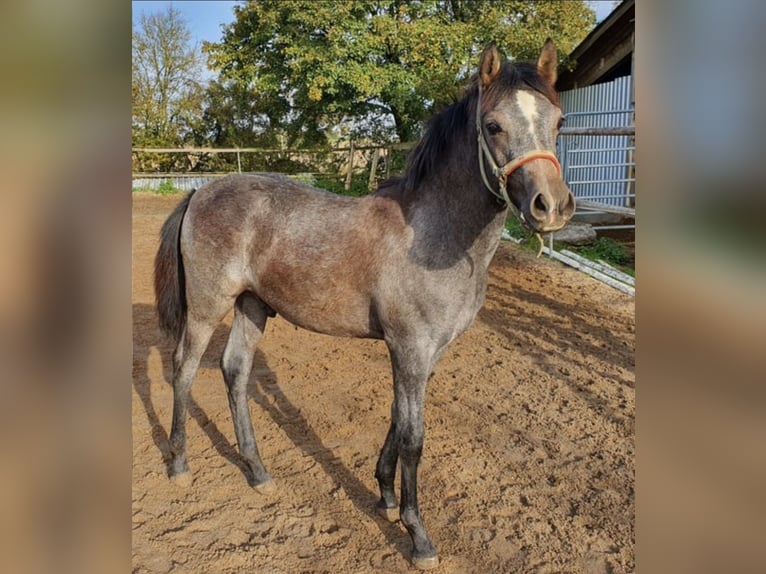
[{"x": 528, "y": 106}]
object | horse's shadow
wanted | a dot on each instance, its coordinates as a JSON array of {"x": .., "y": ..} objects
[
  {"x": 269, "y": 397},
  {"x": 613, "y": 347}
]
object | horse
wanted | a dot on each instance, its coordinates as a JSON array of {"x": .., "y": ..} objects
[{"x": 407, "y": 264}]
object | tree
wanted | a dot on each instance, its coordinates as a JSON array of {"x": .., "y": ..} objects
[
  {"x": 383, "y": 65},
  {"x": 167, "y": 89}
]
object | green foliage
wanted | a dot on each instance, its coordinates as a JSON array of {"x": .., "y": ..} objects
[
  {"x": 376, "y": 68},
  {"x": 604, "y": 248},
  {"x": 398, "y": 160},
  {"x": 166, "y": 187},
  {"x": 337, "y": 185},
  {"x": 609, "y": 250},
  {"x": 306, "y": 178},
  {"x": 167, "y": 95},
  {"x": 515, "y": 228},
  {"x": 236, "y": 116}
]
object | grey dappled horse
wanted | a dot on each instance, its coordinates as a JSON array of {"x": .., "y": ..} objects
[{"x": 407, "y": 264}]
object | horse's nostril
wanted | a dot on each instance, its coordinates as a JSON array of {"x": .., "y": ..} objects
[
  {"x": 539, "y": 205},
  {"x": 567, "y": 207}
]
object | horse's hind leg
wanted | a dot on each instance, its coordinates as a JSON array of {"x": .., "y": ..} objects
[
  {"x": 247, "y": 328},
  {"x": 186, "y": 360}
]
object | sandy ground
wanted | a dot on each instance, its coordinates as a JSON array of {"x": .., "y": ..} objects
[{"x": 528, "y": 463}]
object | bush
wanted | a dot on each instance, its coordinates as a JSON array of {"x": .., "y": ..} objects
[
  {"x": 166, "y": 187},
  {"x": 306, "y": 178},
  {"x": 336, "y": 185}
]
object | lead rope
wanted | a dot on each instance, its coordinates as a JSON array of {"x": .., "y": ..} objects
[{"x": 502, "y": 178}]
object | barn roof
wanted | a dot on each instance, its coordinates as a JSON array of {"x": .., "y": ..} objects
[{"x": 606, "y": 53}]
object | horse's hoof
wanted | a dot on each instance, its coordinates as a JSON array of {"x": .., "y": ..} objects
[
  {"x": 183, "y": 479},
  {"x": 390, "y": 514},
  {"x": 425, "y": 563},
  {"x": 266, "y": 487}
]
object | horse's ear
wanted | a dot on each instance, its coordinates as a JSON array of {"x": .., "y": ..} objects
[
  {"x": 547, "y": 63},
  {"x": 489, "y": 65}
]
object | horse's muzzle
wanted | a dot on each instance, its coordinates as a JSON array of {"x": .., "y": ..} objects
[{"x": 551, "y": 208}]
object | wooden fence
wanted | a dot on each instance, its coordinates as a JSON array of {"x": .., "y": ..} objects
[
  {"x": 354, "y": 158},
  {"x": 362, "y": 157}
]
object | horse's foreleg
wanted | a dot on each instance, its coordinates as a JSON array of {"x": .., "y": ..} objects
[
  {"x": 385, "y": 471},
  {"x": 237, "y": 362},
  {"x": 412, "y": 367}
]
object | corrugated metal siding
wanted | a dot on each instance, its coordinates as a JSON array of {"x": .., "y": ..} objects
[
  {"x": 190, "y": 182},
  {"x": 180, "y": 183},
  {"x": 599, "y": 168}
]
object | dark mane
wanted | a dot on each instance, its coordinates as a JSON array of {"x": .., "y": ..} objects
[
  {"x": 444, "y": 130},
  {"x": 448, "y": 128}
]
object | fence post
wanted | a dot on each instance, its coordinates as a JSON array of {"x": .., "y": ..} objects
[
  {"x": 350, "y": 165},
  {"x": 239, "y": 162},
  {"x": 373, "y": 169}
]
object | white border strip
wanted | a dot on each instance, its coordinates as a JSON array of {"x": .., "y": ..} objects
[
  {"x": 588, "y": 270},
  {"x": 605, "y": 268}
]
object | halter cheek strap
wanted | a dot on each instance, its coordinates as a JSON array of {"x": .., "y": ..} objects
[{"x": 502, "y": 173}]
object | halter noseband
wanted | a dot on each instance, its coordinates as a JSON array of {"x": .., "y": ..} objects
[{"x": 502, "y": 173}]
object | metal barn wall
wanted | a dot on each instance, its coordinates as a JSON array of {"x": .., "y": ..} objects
[
  {"x": 179, "y": 183},
  {"x": 599, "y": 168}
]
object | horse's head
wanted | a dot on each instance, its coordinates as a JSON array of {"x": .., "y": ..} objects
[{"x": 517, "y": 120}]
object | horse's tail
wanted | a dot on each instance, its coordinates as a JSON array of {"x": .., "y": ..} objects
[{"x": 169, "y": 284}]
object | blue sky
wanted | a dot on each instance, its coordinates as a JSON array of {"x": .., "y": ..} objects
[{"x": 205, "y": 18}]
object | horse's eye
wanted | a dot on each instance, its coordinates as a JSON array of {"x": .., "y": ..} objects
[
  {"x": 494, "y": 128},
  {"x": 562, "y": 119}
]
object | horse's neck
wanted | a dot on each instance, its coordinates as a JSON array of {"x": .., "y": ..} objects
[{"x": 457, "y": 212}]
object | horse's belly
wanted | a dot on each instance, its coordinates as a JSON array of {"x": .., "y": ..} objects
[
  {"x": 327, "y": 315},
  {"x": 322, "y": 283},
  {"x": 323, "y": 306}
]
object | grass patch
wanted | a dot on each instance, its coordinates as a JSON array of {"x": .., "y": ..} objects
[
  {"x": 528, "y": 240},
  {"x": 604, "y": 248},
  {"x": 515, "y": 228},
  {"x": 166, "y": 187},
  {"x": 608, "y": 250}
]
